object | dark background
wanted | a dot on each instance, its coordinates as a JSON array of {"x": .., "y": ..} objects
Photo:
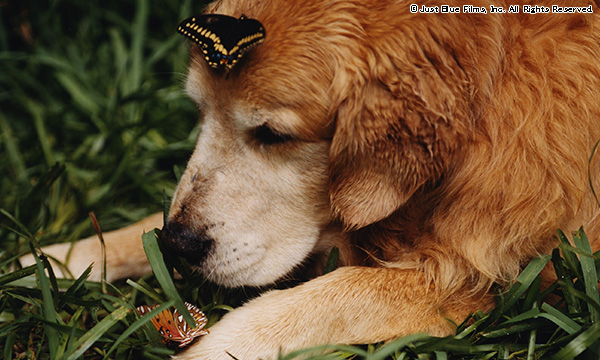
[{"x": 93, "y": 116}]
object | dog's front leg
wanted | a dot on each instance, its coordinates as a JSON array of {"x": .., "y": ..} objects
[
  {"x": 125, "y": 256},
  {"x": 352, "y": 305}
]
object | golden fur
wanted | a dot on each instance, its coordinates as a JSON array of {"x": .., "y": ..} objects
[{"x": 439, "y": 152}]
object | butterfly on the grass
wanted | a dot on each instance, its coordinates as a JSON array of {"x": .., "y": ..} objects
[
  {"x": 223, "y": 39},
  {"x": 173, "y": 327}
]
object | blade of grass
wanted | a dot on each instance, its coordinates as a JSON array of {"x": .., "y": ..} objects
[
  {"x": 102, "y": 248},
  {"x": 529, "y": 314},
  {"x": 120, "y": 58},
  {"x": 68, "y": 336},
  {"x": 143, "y": 287},
  {"x": 570, "y": 258},
  {"x": 51, "y": 277},
  {"x": 90, "y": 337},
  {"x": 591, "y": 303},
  {"x": 441, "y": 355},
  {"x": 301, "y": 354},
  {"x": 150, "y": 241},
  {"x": 576, "y": 251},
  {"x": 166, "y": 204},
  {"x": 44, "y": 284},
  {"x": 532, "y": 342},
  {"x": 16, "y": 275},
  {"x": 525, "y": 279},
  {"x": 47, "y": 304},
  {"x": 560, "y": 319},
  {"x": 81, "y": 96},
  {"x": 588, "y": 267},
  {"x": 513, "y": 329},
  {"x": 8, "y": 346},
  {"x": 564, "y": 278},
  {"x": 579, "y": 344},
  {"x": 471, "y": 328},
  {"x": 37, "y": 113},
  {"x": 533, "y": 294},
  {"x": 332, "y": 260},
  {"x": 388, "y": 349},
  {"x": 137, "y": 47},
  {"x": 11, "y": 146},
  {"x": 138, "y": 324},
  {"x": 80, "y": 282}
]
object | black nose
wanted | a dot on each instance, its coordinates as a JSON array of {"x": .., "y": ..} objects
[{"x": 184, "y": 241}]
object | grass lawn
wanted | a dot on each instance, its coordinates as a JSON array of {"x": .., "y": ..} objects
[{"x": 92, "y": 118}]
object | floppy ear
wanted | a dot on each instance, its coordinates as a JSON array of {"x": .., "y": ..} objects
[{"x": 395, "y": 132}]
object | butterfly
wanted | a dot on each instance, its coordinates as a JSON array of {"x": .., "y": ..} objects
[
  {"x": 223, "y": 39},
  {"x": 173, "y": 327}
]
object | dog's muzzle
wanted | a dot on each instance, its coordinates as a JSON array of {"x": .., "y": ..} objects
[{"x": 191, "y": 244}]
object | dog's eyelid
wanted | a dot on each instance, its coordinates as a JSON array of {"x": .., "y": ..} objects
[{"x": 268, "y": 136}]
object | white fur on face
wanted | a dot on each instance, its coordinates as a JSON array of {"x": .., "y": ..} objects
[{"x": 264, "y": 205}]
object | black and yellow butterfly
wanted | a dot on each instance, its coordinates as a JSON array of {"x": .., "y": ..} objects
[{"x": 223, "y": 39}]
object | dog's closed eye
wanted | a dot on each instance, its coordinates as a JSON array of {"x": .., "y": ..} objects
[{"x": 265, "y": 135}]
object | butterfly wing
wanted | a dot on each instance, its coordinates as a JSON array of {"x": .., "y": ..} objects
[
  {"x": 189, "y": 334},
  {"x": 223, "y": 39},
  {"x": 144, "y": 309},
  {"x": 165, "y": 323}
]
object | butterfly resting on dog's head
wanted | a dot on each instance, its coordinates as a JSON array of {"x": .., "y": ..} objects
[
  {"x": 223, "y": 39},
  {"x": 172, "y": 326}
]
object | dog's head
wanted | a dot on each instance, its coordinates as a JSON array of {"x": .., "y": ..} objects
[{"x": 327, "y": 120}]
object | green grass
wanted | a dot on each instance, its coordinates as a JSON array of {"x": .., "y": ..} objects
[
  {"x": 92, "y": 118},
  {"x": 97, "y": 88}
]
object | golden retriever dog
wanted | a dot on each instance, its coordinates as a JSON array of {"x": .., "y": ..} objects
[{"x": 439, "y": 152}]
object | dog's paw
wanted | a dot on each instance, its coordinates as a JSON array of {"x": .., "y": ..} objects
[{"x": 257, "y": 330}]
